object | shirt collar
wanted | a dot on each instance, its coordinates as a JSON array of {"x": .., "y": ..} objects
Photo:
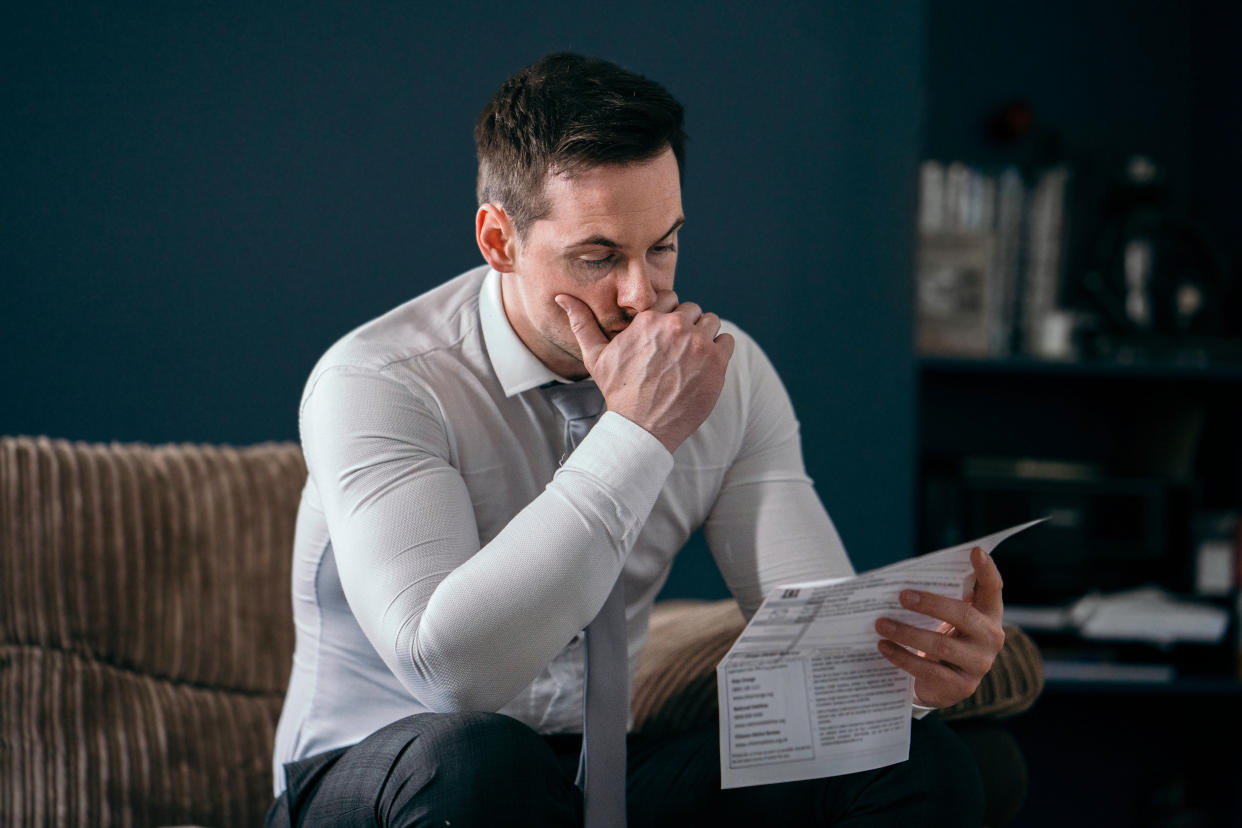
[{"x": 516, "y": 367}]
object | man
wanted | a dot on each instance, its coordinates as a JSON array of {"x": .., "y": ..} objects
[{"x": 460, "y": 528}]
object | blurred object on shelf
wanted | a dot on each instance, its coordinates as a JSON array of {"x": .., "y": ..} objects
[
  {"x": 959, "y": 295},
  {"x": 1011, "y": 122},
  {"x": 1054, "y": 336},
  {"x": 954, "y": 294},
  {"x": 1014, "y": 128},
  {"x": 1046, "y": 328},
  {"x": 1151, "y": 615},
  {"x": 990, "y": 263},
  {"x": 1155, "y": 278},
  {"x": 1031, "y": 468},
  {"x": 1216, "y": 553}
]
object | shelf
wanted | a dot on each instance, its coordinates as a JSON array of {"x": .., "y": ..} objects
[
  {"x": 1180, "y": 686},
  {"x": 1082, "y": 369}
]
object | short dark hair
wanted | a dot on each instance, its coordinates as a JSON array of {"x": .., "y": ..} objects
[{"x": 564, "y": 114}]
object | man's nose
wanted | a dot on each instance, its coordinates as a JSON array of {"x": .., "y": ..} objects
[{"x": 635, "y": 290}]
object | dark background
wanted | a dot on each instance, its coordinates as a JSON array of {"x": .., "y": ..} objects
[{"x": 197, "y": 199}]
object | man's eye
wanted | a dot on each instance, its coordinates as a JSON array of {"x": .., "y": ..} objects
[
  {"x": 599, "y": 263},
  {"x": 664, "y": 248}
]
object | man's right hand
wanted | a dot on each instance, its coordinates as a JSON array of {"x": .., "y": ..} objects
[{"x": 664, "y": 371}]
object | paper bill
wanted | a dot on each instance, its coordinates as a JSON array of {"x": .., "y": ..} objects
[{"x": 804, "y": 692}]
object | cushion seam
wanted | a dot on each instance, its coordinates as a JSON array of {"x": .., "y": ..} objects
[{"x": 120, "y": 668}]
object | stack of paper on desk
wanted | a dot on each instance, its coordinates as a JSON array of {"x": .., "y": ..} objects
[
  {"x": 1149, "y": 615},
  {"x": 804, "y": 692}
]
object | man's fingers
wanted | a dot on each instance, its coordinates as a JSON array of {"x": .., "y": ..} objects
[
  {"x": 709, "y": 323},
  {"x": 585, "y": 327},
  {"x": 950, "y": 610},
  {"x": 690, "y": 310},
  {"x": 952, "y": 660},
  {"x": 967, "y": 620},
  {"x": 706, "y": 321},
  {"x": 988, "y": 584},
  {"x": 665, "y": 302},
  {"x": 935, "y": 684},
  {"x": 960, "y": 653}
]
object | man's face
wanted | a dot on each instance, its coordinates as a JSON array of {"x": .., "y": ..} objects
[{"x": 609, "y": 239}]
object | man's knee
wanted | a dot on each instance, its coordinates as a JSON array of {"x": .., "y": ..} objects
[
  {"x": 473, "y": 769},
  {"x": 950, "y": 772}
]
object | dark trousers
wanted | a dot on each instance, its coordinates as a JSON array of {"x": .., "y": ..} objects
[{"x": 484, "y": 769}]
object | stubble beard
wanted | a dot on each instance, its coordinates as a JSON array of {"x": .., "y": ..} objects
[{"x": 568, "y": 345}]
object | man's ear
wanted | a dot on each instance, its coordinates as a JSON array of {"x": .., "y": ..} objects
[{"x": 496, "y": 237}]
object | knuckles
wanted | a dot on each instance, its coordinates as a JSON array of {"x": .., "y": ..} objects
[
  {"x": 997, "y": 636},
  {"x": 937, "y": 647},
  {"x": 988, "y": 630}
]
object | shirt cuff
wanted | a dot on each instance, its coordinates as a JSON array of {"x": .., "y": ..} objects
[
  {"x": 623, "y": 455},
  {"x": 918, "y": 711}
]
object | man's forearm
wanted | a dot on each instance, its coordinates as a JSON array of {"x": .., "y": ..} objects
[{"x": 465, "y": 627}]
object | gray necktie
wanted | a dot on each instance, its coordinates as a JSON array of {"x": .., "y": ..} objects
[{"x": 601, "y": 768}]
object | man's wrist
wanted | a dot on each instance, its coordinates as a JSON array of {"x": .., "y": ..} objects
[{"x": 632, "y": 462}]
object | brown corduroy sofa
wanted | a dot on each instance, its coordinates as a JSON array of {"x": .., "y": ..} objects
[{"x": 146, "y": 636}]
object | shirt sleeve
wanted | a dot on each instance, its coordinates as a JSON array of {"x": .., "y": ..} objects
[
  {"x": 465, "y": 626},
  {"x": 768, "y": 526}
]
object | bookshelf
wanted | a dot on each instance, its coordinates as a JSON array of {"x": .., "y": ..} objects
[
  {"x": 1107, "y": 386},
  {"x": 1143, "y": 463},
  {"x": 1079, "y": 310},
  {"x": 1116, "y": 736}
]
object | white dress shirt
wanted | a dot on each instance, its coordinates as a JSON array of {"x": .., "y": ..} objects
[{"x": 446, "y": 559}]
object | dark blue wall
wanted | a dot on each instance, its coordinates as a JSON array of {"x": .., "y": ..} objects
[{"x": 196, "y": 202}]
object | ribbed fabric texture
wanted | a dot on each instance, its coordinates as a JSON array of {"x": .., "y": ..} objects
[
  {"x": 675, "y": 682},
  {"x": 145, "y": 630}
]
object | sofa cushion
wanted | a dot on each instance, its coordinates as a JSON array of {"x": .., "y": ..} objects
[
  {"x": 87, "y": 743},
  {"x": 145, "y": 629}
]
